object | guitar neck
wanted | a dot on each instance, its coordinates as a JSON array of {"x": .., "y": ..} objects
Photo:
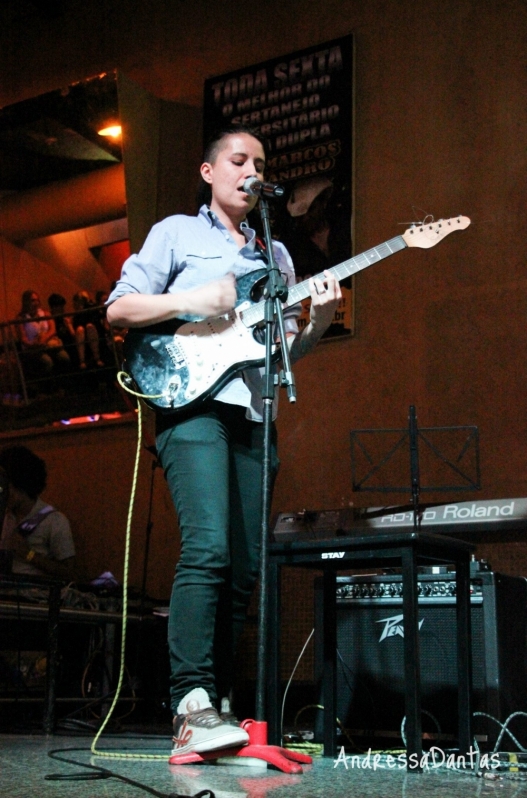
[{"x": 347, "y": 268}]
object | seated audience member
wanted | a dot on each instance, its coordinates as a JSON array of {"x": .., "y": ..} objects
[
  {"x": 113, "y": 336},
  {"x": 38, "y": 336},
  {"x": 63, "y": 324},
  {"x": 37, "y": 535},
  {"x": 87, "y": 330}
]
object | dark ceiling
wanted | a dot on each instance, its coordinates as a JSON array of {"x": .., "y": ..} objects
[{"x": 54, "y": 136}]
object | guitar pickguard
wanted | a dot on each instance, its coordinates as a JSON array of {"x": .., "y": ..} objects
[{"x": 178, "y": 364}]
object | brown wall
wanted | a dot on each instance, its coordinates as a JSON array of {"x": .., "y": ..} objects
[
  {"x": 21, "y": 270},
  {"x": 440, "y": 121}
]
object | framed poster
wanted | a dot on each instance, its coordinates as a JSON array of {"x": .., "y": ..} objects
[{"x": 302, "y": 103}]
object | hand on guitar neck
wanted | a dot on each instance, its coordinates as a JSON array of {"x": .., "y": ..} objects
[{"x": 325, "y": 296}]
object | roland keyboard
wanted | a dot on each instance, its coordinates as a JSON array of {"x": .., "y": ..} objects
[{"x": 473, "y": 520}]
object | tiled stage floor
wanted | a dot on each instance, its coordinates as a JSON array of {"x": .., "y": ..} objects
[{"x": 25, "y": 763}]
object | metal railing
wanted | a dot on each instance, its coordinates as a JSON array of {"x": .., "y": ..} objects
[{"x": 79, "y": 372}]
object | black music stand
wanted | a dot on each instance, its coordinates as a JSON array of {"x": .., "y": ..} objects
[{"x": 455, "y": 455}]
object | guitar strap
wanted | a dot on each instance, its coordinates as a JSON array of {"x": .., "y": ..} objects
[
  {"x": 262, "y": 249},
  {"x": 27, "y": 527}
]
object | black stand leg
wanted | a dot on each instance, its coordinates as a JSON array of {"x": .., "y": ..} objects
[
  {"x": 412, "y": 667},
  {"x": 149, "y": 526},
  {"x": 464, "y": 656},
  {"x": 263, "y": 608},
  {"x": 276, "y": 293},
  {"x": 273, "y": 672},
  {"x": 52, "y": 654},
  {"x": 329, "y": 668}
]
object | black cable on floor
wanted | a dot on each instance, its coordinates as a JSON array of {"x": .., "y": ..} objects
[{"x": 103, "y": 773}]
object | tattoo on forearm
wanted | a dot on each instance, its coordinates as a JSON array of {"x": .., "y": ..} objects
[{"x": 304, "y": 343}]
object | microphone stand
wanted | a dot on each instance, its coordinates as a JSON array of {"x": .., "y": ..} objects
[
  {"x": 275, "y": 293},
  {"x": 414, "y": 466}
]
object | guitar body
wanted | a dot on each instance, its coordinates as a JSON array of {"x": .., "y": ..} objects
[{"x": 178, "y": 364}]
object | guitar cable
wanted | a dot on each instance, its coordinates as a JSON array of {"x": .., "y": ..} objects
[
  {"x": 93, "y": 748},
  {"x": 125, "y": 380}
]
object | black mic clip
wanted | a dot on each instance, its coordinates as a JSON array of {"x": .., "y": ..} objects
[{"x": 257, "y": 188}]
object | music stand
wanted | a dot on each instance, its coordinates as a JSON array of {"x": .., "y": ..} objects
[{"x": 458, "y": 457}]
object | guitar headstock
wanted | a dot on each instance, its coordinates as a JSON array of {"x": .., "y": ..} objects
[{"x": 428, "y": 234}]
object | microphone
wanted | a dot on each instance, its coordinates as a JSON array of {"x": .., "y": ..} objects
[{"x": 256, "y": 188}]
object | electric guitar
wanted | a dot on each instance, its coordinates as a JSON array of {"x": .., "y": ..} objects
[{"x": 178, "y": 364}]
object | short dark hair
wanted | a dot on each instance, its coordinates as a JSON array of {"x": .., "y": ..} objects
[
  {"x": 56, "y": 300},
  {"x": 26, "y": 300},
  {"x": 213, "y": 147},
  {"x": 25, "y": 470},
  {"x": 83, "y": 298}
]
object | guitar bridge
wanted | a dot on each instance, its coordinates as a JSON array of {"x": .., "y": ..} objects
[{"x": 176, "y": 355}]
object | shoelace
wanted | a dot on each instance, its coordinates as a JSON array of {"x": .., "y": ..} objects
[
  {"x": 204, "y": 717},
  {"x": 229, "y": 717}
]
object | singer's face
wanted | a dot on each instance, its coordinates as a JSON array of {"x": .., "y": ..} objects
[{"x": 241, "y": 156}]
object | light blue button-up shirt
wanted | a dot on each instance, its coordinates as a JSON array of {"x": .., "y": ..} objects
[{"x": 185, "y": 252}]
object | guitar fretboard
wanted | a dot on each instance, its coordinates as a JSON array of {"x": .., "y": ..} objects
[{"x": 256, "y": 313}]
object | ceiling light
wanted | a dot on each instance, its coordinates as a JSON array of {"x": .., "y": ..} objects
[{"x": 112, "y": 131}]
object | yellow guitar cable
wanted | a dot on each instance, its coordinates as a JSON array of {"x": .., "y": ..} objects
[
  {"x": 93, "y": 747},
  {"x": 123, "y": 378}
]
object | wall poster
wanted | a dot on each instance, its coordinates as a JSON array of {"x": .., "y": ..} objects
[{"x": 302, "y": 103}]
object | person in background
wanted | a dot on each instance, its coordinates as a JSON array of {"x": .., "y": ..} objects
[
  {"x": 112, "y": 336},
  {"x": 41, "y": 347},
  {"x": 36, "y": 534},
  {"x": 86, "y": 326},
  {"x": 63, "y": 324}
]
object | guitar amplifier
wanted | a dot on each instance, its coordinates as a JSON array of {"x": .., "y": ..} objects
[{"x": 370, "y": 656}]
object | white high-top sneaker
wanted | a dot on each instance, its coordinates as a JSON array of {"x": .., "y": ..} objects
[{"x": 199, "y": 728}]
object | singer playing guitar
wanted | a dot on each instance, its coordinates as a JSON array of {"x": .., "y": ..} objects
[{"x": 212, "y": 454}]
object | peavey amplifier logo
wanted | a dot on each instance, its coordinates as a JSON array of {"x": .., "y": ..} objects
[{"x": 394, "y": 626}]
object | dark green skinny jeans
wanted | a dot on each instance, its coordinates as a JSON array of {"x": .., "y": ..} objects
[{"x": 213, "y": 465}]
